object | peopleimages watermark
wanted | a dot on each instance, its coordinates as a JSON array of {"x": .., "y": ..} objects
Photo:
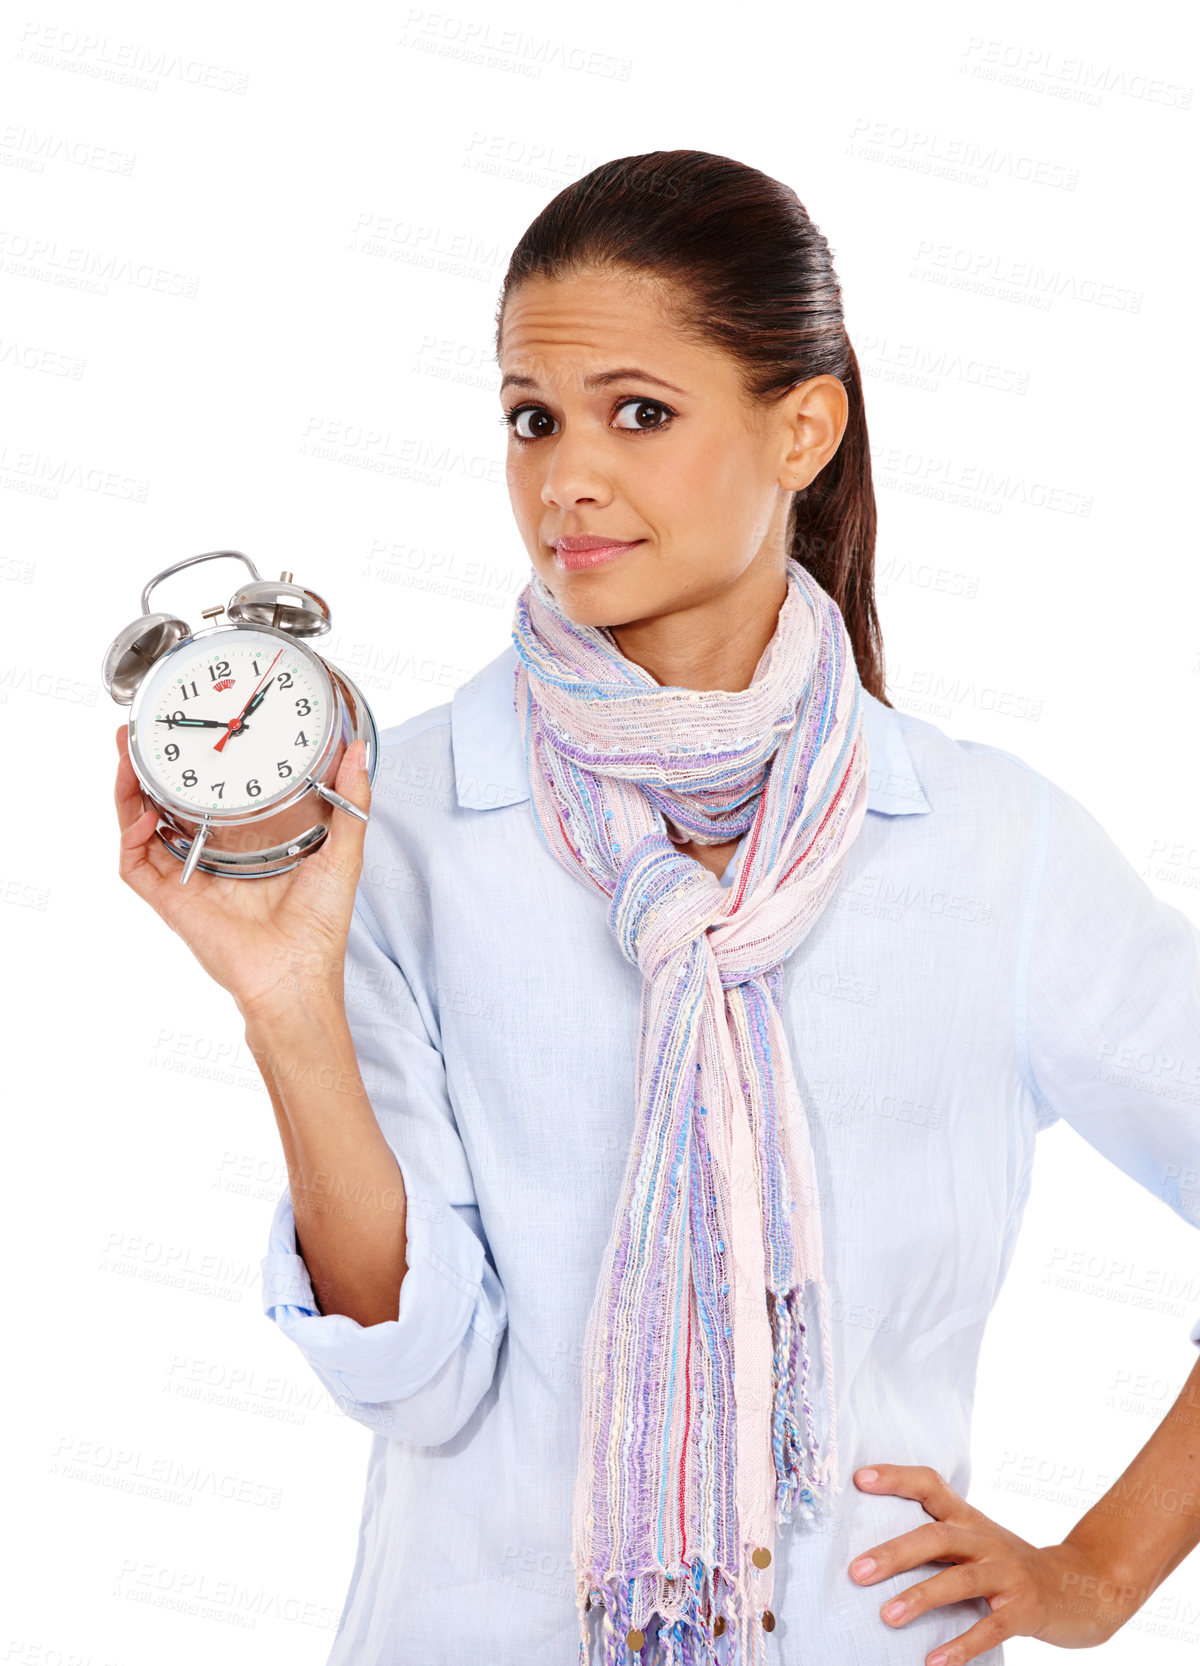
[
  {"x": 46, "y": 361},
  {"x": 28, "y": 149},
  {"x": 159, "y": 1475},
  {"x": 200, "y": 1592},
  {"x": 125, "y": 61},
  {"x": 78, "y": 267},
  {"x": 365, "y": 446},
  {"x": 479, "y": 40},
  {"x": 976, "y": 483},
  {"x": 519, "y": 156},
  {"x": 917, "y": 364},
  {"x": 958, "y": 158},
  {"x": 922, "y": 687},
  {"x": 1041, "y": 69},
  {"x": 42, "y": 475},
  {"x": 25, "y": 679},
  {"x": 18, "y": 893},
  {"x": 998, "y": 276}
]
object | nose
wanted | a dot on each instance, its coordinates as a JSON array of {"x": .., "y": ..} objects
[{"x": 574, "y": 474}]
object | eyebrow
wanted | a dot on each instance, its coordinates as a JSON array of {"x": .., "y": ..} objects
[{"x": 601, "y": 379}]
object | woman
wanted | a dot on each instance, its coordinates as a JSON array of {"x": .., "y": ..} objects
[{"x": 659, "y": 1080}]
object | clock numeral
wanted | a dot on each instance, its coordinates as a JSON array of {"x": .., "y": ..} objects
[
  {"x": 173, "y": 718},
  {"x": 285, "y": 679},
  {"x": 218, "y": 787},
  {"x": 171, "y": 750},
  {"x": 253, "y": 788},
  {"x": 303, "y": 708},
  {"x": 284, "y": 768},
  {"x": 220, "y": 669},
  {"x": 301, "y": 739},
  {"x": 189, "y": 777},
  {"x": 183, "y": 691}
]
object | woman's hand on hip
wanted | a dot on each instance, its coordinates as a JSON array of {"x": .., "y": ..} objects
[
  {"x": 1057, "y": 1593},
  {"x": 263, "y": 938}
]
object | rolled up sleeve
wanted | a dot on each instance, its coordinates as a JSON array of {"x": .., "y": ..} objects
[
  {"x": 1113, "y": 1009},
  {"x": 417, "y": 1377}
]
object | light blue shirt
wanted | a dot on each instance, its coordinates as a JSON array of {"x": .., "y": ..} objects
[{"x": 989, "y": 962}]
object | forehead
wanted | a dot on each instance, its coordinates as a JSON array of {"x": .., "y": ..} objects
[{"x": 589, "y": 316}]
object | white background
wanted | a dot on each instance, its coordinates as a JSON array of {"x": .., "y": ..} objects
[{"x": 249, "y": 265}]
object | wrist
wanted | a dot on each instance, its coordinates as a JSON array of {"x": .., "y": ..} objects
[
  {"x": 1100, "y": 1572},
  {"x": 296, "y": 981},
  {"x": 280, "y": 1014}
]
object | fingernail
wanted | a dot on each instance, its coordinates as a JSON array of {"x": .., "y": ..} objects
[
  {"x": 868, "y": 1475},
  {"x": 938, "y": 1660},
  {"x": 864, "y": 1566},
  {"x": 892, "y": 1610}
]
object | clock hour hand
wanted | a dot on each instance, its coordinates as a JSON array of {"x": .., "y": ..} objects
[
  {"x": 257, "y": 700},
  {"x": 191, "y": 722}
]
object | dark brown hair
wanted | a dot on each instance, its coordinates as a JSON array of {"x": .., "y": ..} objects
[{"x": 755, "y": 277}]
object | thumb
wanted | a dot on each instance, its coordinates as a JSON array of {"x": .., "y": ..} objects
[{"x": 347, "y": 832}]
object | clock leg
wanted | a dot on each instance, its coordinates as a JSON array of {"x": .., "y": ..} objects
[
  {"x": 193, "y": 855},
  {"x": 338, "y": 801}
]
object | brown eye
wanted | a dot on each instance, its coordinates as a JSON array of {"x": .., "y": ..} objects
[
  {"x": 538, "y": 418},
  {"x": 640, "y": 408}
]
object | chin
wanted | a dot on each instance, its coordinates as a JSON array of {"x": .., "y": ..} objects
[{"x": 604, "y": 597}]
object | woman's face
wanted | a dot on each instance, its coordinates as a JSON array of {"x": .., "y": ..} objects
[{"x": 623, "y": 429}]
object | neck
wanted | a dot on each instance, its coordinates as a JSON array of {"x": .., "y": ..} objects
[{"x": 715, "y": 643}]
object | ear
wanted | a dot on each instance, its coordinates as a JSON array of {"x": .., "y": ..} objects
[{"x": 812, "y": 417}]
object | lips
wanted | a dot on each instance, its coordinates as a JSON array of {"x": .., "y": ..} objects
[{"x": 577, "y": 554}]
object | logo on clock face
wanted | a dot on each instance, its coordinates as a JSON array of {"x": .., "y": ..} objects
[{"x": 225, "y": 682}]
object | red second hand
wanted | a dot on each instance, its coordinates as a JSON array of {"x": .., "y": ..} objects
[{"x": 236, "y": 722}]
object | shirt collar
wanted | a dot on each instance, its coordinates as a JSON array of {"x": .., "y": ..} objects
[{"x": 489, "y": 757}]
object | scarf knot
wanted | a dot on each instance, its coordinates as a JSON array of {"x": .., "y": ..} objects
[{"x": 661, "y": 903}]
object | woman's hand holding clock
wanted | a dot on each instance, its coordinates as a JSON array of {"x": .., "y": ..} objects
[
  {"x": 278, "y": 944},
  {"x": 277, "y": 941},
  {"x": 252, "y": 936}
]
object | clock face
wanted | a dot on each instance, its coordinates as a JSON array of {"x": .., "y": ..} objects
[{"x": 231, "y": 721}]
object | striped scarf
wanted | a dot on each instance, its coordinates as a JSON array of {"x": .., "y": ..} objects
[{"x": 683, "y": 1470}]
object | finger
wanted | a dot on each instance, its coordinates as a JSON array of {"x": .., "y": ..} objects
[
  {"x": 346, "y": 832},
  {"x": 137, "y": 861},
  {"x": 986, "y": 1634},
  {"x": 970, "y": 1578},
  {"x": 933, "y": 1541},
  {"x": 917, "y": 1481},
  {"x": 127, "y": 793},
  {"x": 142, "y": 862},
  {"x": 353, "y": 780}
]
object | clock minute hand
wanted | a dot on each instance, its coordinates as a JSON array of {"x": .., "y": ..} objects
[{"x": 235, "y": 723}]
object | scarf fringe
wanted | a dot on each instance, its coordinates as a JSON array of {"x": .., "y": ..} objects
[
  {"x": 689, "y": 1602},
  {"x": 687, "y": 1608},
  {"x": 804, "y": 1479}
]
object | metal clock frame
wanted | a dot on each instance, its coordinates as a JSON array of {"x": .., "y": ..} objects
[
  {"x": 339, "y": 710},
  {"x": 348, "y": 716}
]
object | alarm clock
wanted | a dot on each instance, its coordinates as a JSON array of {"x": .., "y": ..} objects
[{"x": 237, "y": 730}]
